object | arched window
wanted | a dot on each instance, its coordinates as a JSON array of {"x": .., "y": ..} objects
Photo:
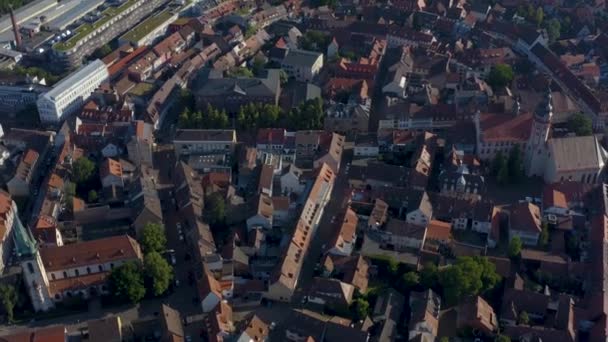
[
  {"x": 88, "y": 270},
  {"x": 30, "y": 267},
  {"x": 76, "y": 272},
  {"x": 53, "y": 276},
  {"x": 65, "y": 274},
  {"x": 100, "y": 268}
]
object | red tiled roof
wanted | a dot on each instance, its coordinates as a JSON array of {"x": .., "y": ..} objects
[
  {"x": 438, "y": 230},
  {"x": 505, "y": 127},
  {"x": 98, "y": 251}
]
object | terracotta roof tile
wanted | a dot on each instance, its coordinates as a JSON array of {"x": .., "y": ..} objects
[{"x": 116, "y": 248}]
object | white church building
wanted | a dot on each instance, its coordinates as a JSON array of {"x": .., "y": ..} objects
[{"x": 580, "y": 159}]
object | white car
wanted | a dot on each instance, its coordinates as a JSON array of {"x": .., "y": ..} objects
[{"x": 173, "y": 260}]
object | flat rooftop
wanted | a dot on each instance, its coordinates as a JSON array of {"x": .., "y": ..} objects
[
  {"x": 76, "y": 10},
  {"x": 147, "y": 26},
  {"x": 85, "y": 29}
]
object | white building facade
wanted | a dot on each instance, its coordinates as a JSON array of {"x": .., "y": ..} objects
[{"x": 70, "y": 94}]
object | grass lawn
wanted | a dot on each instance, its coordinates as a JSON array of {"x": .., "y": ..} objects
[{"x": 142, "y": 89}]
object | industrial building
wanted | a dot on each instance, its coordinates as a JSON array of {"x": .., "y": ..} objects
[
  {"x": 99, "y": 30},
  {"x": 72, "y": 10},
  {"x": 149, "y": 30},
  {"x": 69, "y": 95}
]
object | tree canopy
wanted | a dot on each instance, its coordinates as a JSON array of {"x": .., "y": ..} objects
[
  {"x": 469, "y": 276},
  {"x": 515, "y": 163},
  {"x": 240, "y": 72},
  {"x": 580, "y": 124},
  {"x": 502, "y": 338},
  {"x": 215, "y": 208},
  {"x": 153, "y": 238},
  {"x": 501, "y": 75},
  {"x": 359, "y": 308},
  {"x": 9, "y": 298},
  {"x": 515, "y": 246},
  {"x": 554, "y": 28},
  {"x": 307, "y": 115},
  {"x": 314, "y": 41},
  {"x": 102, "y": 51},
  {"x": 83, "y": 169},
  {"x": 160, "y": 273},
  {"x": 409, "y": 280},
  {"x": 258, "y": 115},
  {"x": 543, "y": 239},
  {"x": 210, "y": 118},
  {"x": 523, "y": 318},
  {"x": 127, "y": 282},
  {"x": 429, "y": 276},
  {"x": 92, "y": 196}
]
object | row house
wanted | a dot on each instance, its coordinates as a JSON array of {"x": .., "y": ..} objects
[
  {"x": 284, "y": 279},
  {"x": 346, "y": 236}
]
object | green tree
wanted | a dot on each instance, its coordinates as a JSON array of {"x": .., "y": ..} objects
[
  {"x": 92, "y": 196},
  {"x": 215, "y": 208},
  {"x": 257, "y": 65},
  {"x": 502, "y": 338},
  {"x": 82, "y": 170},
  {"x": 553, "y": 28},
  {"x": 444, "y": 339},
  {"x": 429, "y": 276},
  {"x": 503, "y": 172},
  {"x": 158, "y": 270},
  {"x": 497, "y": 163},
  {"x": 215, "y": 119},
  {"x": 102, "y": 51},
  {"x": 307, "y": 115},
  {"x": 185, "y": 119},
  {"x": 543, "y": 239},
  {"x": 523, "y": 318},
  {"x": 410, "y": 280},
  {"x": 283, "y": 76},
  {"x": 250, "y": 31},
  {"x": 9, "y": 297},
  {"x": 314, "y": 41},
  {"x": 359, "y": 308},
  {"x": 580, "y": 124},
  {"x": 70, "y": 192},
  {"x": 240, "y": 72},
  {"x": 127, "y": 282},
  {"x": 501, "y": 75},
  {"x": 539, "y": 16},
  {"x": 515, "y": 246},
  {"x": 153, "y": 238},
  {"x": 258, "y": 115},
  {"x": 469, "y": 276},
  {"x": 515, "y": 164}
]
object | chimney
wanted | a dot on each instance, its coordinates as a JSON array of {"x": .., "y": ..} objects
[{"x": 15, "y": 30}]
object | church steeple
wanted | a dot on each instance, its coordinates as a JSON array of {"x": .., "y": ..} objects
[
  {"x": 536, "y": 147},
  {"x": 544, "y": 110}
]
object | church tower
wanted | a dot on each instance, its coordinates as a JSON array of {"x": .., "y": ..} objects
[
  {"x": 536, "y": 147},
  {"x": 32, "y": 267}
]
